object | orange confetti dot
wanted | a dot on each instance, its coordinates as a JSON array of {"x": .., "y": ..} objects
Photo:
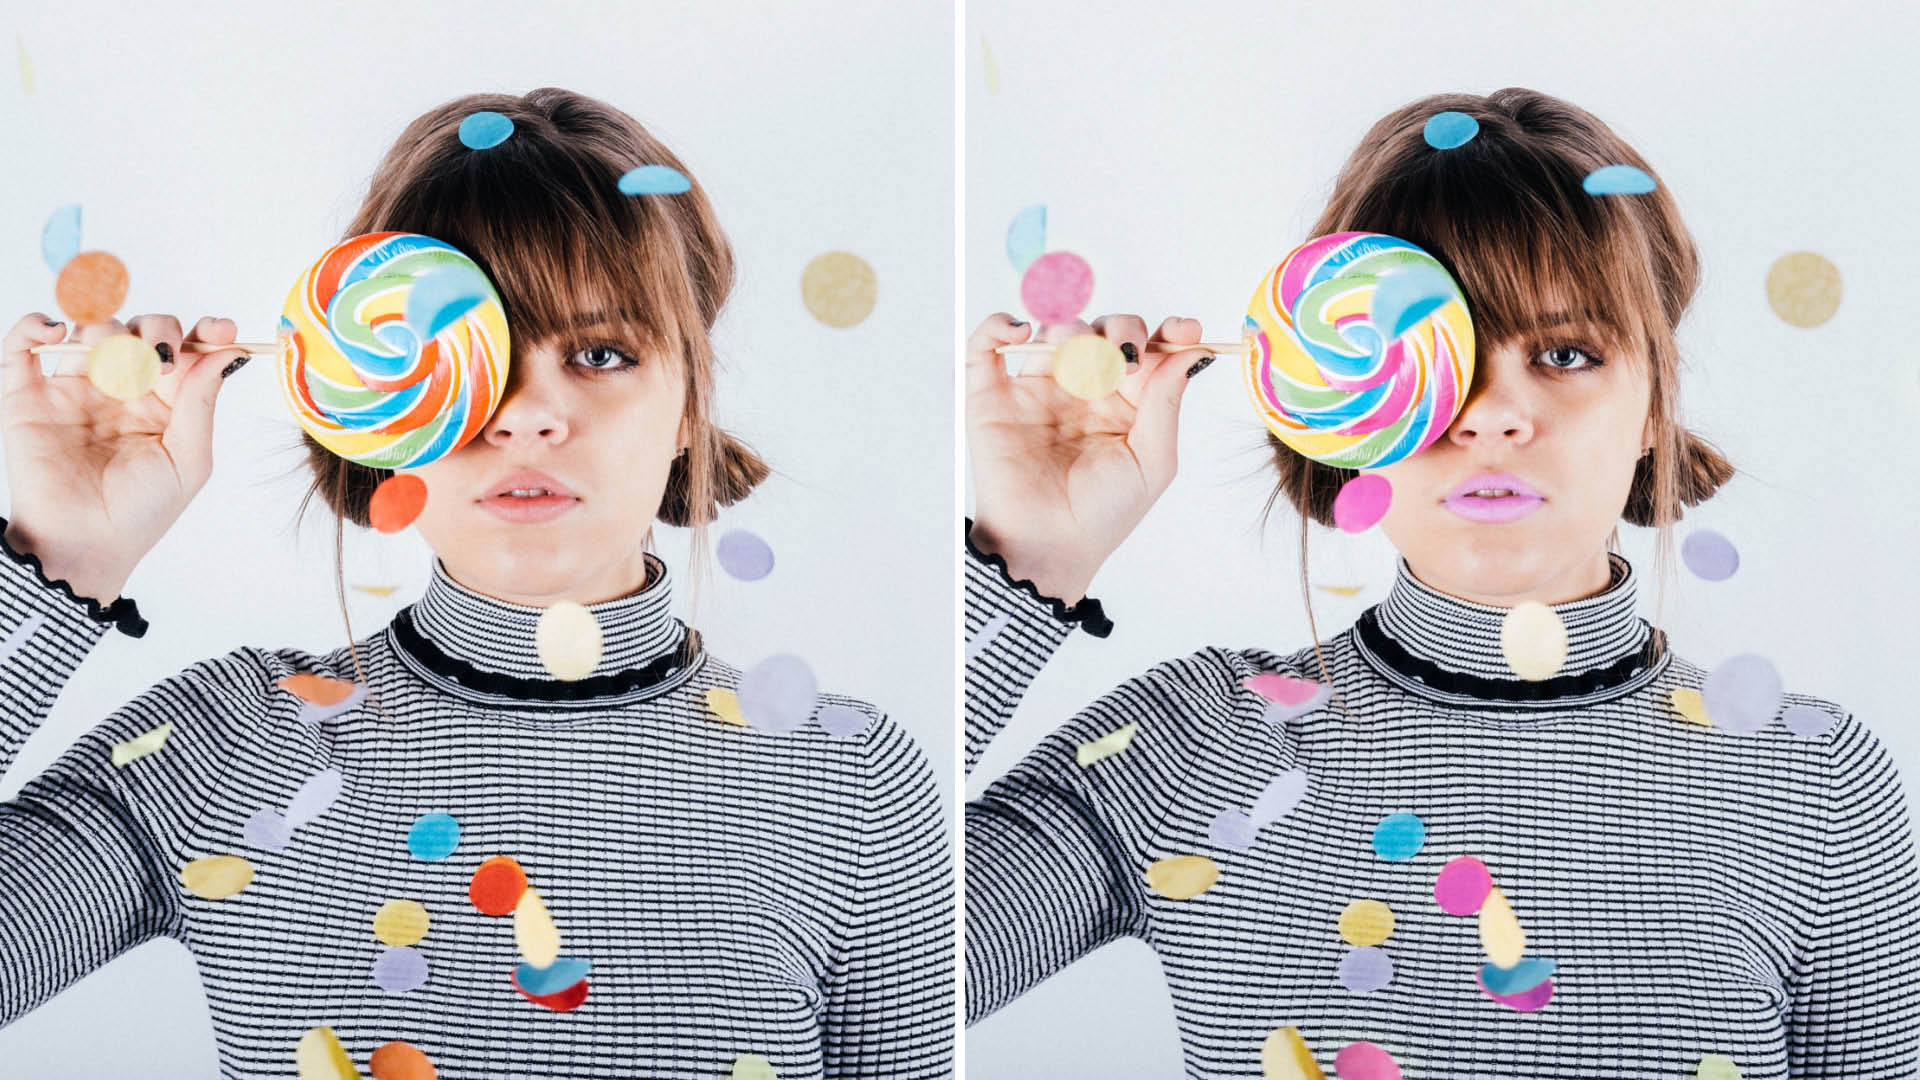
[
  {"x": 401, "y": 1061},
  {"x": 397, "y": 501},
  {"x": 316, "y": 688},
  {"x": 561, "y": 1001},
  {"x": 91, "y": 287},
  {"x": 497, "y": 885}
]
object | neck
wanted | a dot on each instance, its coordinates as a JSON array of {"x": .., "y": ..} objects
[{"x": 1588, "y": 577}]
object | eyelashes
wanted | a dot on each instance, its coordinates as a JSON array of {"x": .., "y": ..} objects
[
  {"x": 1594, "y": 360},
  {"x": 626, "y": 360}
]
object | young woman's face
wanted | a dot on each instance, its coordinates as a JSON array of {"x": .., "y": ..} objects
[
  {"x": 1555, "y": 416},
  {"x": 604, "y": 425}
]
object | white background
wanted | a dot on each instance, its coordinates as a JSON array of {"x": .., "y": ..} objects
[
  {"x": 1182, "y": 151},
  {"x": 218, "y": 148}
]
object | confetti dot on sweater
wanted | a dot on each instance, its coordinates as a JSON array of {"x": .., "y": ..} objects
[
  {"x": 311, "y": 713},
  {"x": 839, "y": 288},
  {"x": 401, "y": 922},
  {"x": 1528, "y": 1001},
  {"x": 497, "y": 885},
  {"x": 433, "y": 837},
  {"x": 60, "y": 236},
  {"x": 20, "y": 635},
  {"x": 1533, "y": 640},
  {"x": 1284, "y": 1056},
  {"x": 399, "y": 970},
  {"x": 1803, "y": 288},
  {"x": 400, "y": 1061},
  {"x": 91, "y": 287},
  {"x": 562, "y": 1001},
  {"x": 1056, "y": 287},
  {"x": 1711, "y": 556},
  {"x": 132, "y": 750},
  {"x": 267, "y": 830},
  {"x": 1691, "y": 707},
  {"x": 1447, "y": 130},
  {"x": 752, "y": 1067},
  {"x": 1398, "y": 837},
  {"x": 744, "y": 555},
  {"x": 534, "y": 931},
  {"x": 1183, "y": 877},
  {"x": 654, "y": 180},
  {"x": 1279, "y": 797},
  {"x": 1366, "y": 922},
  {"x": 1530, "y": 972},
  {"x": 725, "y": 705},
  {"x": 778, "y": 693},
  {"x": 841, "y": 721},
  {"x": 1364, "y": 1061},
  {"x": 1106, "y": 745},
  {"x": 1462, "y": 886},
  {"x": 1089, "y": 366},
  {"x": 1287, "y": 689},
  {"x": 1743, "y": 693},
  {"x": 553, "y": 978},
  {"x": 1806, "y": 721},
  {"x": 1027, "y": 235},
  {"x": 485, "y": 130},
  {"x": 985, "y": 635},
  {"x": 321, "y": 1057},
  {"x": 1716, "y": 1067},
  {"x": 396, "y": 502},
  {"x": 1617, "y": 180},
  {"x": 1500, "y": 933},
  {"x": 1365, "y": 970},
  {"x": 123, "y": 366},
  {"x": 315, "y": 797},
  {"x": 217, "y": 876},
  {"x": 318, "y": 689},
  {"x": 1362, "y": 502},
  {"x": 568, "y": 639},
  {"x": 1233, "y": 829}
]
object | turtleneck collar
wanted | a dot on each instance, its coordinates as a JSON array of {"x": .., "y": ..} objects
[
  {"x": 1448, "y": 649},
  {"x": 481, "y": 648}
]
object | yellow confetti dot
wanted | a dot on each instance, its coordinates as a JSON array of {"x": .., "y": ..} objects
[
  {"x": 534, "y": 931},
  {"x": 123, "y": 366},
  {"x": 1341, "y": 590},
  {"x": 1284, "y": 1056},
  {"x": 1717, "y": 1067},
  {"x": 752, "y": 1067},
  {"x": 839, "y": 288},
  {"x": 726, "y": 705},
  {"x": 26, "y": 64},
  {"x": 1105, "y": 746},
  {"x": 217, "y": 876},
  {"x": 1803, "y": 288},
  {"x": 400, "y": 922},
  {"x": 567, "y": 637},
  {"x": 321, "y": 1057},
  {"x": 1534, "y": 640},
  {"x": 1366, "y": 922},
  {"x": 141, "y": 745},
  {"x": 1691, "y": 707},
  {"x": 1183, "y": 877},
  {"x": 1088, "y": 366},
  {"x": 1500, "y": 932},
  {"x": 377, "y": 590},
  {"x": 993, "y": 66}
]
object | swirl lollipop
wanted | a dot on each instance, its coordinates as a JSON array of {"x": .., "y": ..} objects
[
  {"x": 393, "y": 349},
  {"x": 1359, "y": 349}
]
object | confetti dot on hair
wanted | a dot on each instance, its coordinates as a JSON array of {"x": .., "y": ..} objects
[
  {"x": 565, "y": 1000},
  {"x": 744, "y": 555},
  {"x": 315, "y": 797},
  {"x": 1500, "y": 933},
  {"x": 1104, "y": 747},
  {"x": 401, "y": 922},
  {"x": 440, "y": 298},
  {"x": 1533, "y": 640},
  {"x": 1089, "y": 366},
  {"x": 777, "y": 694},
  {"x": 1279, "y": 797},
  {"x": 752, "y": 1067},
  {"x": 1447, "y": 130},
  {"x": 321, "y": 1057},
  {"x": 1462, "y": 886},
  {"x": 1364, "y": 1061},
  {"x": 497, "y": 885},
  {"x": 984, "y": 636},
  {"x": 60, "y": 236},
  {"x": 1803, "y": 289},
  {"x": 400, "y": 970},
  {"x": 132, "y": 750},
  {"x": 1284, "y": 1056},
  {"x": 1617, "y": 180},
  {"x": 1806, "y": 721},
  {"x": 1027, "y": 236},
  {"x": 1362, "y": 502},
  {"x": 568, "y": 639},
  {"x": 1528, "y": 1001},
  {"x": 217, "y": 876},
  {"x": 1743, "y": 693},
  {"x": 396, "y": 502},
  {"x": 400, "y": 1061},
  {"x": 1183, "y": 877},
  {"x": 1691, "y": 708},
  {"x": 267, "y": 830},
  {"x": 1530, "y": 972},
  {"x": 1366, "y": 922},
  {"x": 1398, "y": 837},
  {"x": 1709, "y": 555},
  {"x": 433, "y": 837},
  {"x": 317, "y": 689},
  {"x": 485, "y": 130},
  {"x": 1366, "y": 969},
  {"x": 534, "y": 931},
  {"x": 91, "y": 287},
  {"x": 1716, "y": 1067},
  {"x": 1233, "y": 829},
  {"x": 552, "y": 978},
  {"x": 841, "y": 721},
  {"x": 1056, "y": 287},
  {"x": 654, "y": 180},
  {"x": 725, "y": 705},
  {"x": 123, "y": 366},
  {"x": 839, "y": 288}
]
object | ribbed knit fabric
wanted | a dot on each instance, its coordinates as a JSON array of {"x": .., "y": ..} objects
[
  {"x": 1703, "y": 891},
  {"x": 737, "y": 892}
]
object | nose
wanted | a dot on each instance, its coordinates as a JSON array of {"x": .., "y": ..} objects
[
  {"x": 1497, "y": 406},
  {"x": 531, "y": 407}
]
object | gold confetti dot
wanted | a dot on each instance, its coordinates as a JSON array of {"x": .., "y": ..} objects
[
  {"x": 123, "y": 366},
  {"x": 726, "y": 705},
  {"x": 1534, "y": 640},
  {"x": 141, "y": 745},
  {"x": 217, "y": 876},
  {"x": 1105, "y": 746},
  {"x": 1089, "y": 366},
  {"x": 1366, "y": 922},
  {"x": 1183, "y": 877},
  {"x": 400, "y": 922},
  {"x": 534, "y": 931},
  {"x": 567, "y": 637},
  {"x": 1284, "y": 1056},
  {"x": 1691, "y": 707},
  {"x": 321, "y": 1057},
  {"x": 839, "y": 288},
  {"x": 1803, "y": 288},
  {"x": 1500, "y": 933}
]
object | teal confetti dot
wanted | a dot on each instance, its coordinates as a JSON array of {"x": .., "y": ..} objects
[
  {"x": 559, "y": 975},
  {"x": 1617, "y": 180},
  {"x": 1398, "y": 837},
  {"x": 60, "y": 239},
  {"x": 1450, "y": 129},
  {"x": 485, "y": 130},
  {"x": 1027, "y": 236},
  {"x": 1530, "y": 972},
  {"x": 654, "y": 180},
  {"x": 440, "y": 298},
  {"x": 433, "y": 837}
]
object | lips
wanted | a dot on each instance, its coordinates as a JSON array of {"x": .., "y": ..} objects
[
  {"x": 529, "y": 480},
  {"x": 1493, "y": 481}
]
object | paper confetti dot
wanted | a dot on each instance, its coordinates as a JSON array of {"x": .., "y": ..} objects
[
  {"x": 91, "y": 287},
  {"x": 267, "y": 830},
  {"x": 400, "y": 970},
  {"x": 1362, "y": 502},
  {"x": 1617, "y": 180},
  {"x": 1530, "y": 972},
  {"x": 123, "y": 366},
  {"x": 321, "y": 1057},
  {"x": 1366, "y": 922},
  {"x": 553, "y": 978},
  {"x": 1089, "y": 366},
  {"x": 1806, "y": 721},
  {"x": 1462, "y": 886},
  {"x": 1233, "y": 829},
  {"x": 1364, "y": 1061},
  {"x": 433, "y": 837},
  {"x": 140, "y": 746},
  {"x": 1284, "y": 1056},
  {"x": 1529, "y": 1001},
  {"x": 533, "y": 930},
  {"x": 1366, "y": 969},
  {"x": 1743, "y": 693},
  {"x": 1183, "y": 877},
  {"x": 993, "y": 66},
  {"x": 60, "y": 236},
  {"x": 1803, "y": 289},
  {"x": 1446, "y": 130},
  {"x": 396, "y": 502},
  {"x": 26, "y": 65},
  {"x": 1105, "y": 746},
  {"x": 777, "y": 694},
  {"x": 568, "y": 639},
  {"x": 401, "y": 922},
  {"x": 1398, "y": 837},
  {"x": 1716, "y": 1067},
  {"x": 1690, "y": 706},
  {"x": 1341, "y": 590},
  {"x": 485, "y": 130},
  {"x": 752, "y": 1067},
  {"x": 725, "y": 704},
  {"x": 984, "y": 636},
  {"x": 440, "y": 298},
  {"x": 839, "y": 288},
  {"x": 1288, "y": 697},
  {"x": 1500, "y": 933},
  {"x": 497, "y": 885},
  {"x": 1056, "y": 287},
  {"x": 841, "y": 721},
  {"x": 654, "y": 180},
  {"x": 1709, "y": 555},
  {"x": 377, "y": 590},
  {"x": 315, "y": 797},
  {"x": 1533, "y": 640},
  {"x": 400, "y": 1061},
  {"x": 1027, "y": 236},
  {"x": 743, "y": 555},
  {"x": 22, "y": 634},
  {"x": 563, "y": 1001},
  {"x": 1403, "y": 298},
  {"x": 317, "y": 689},
  {"x": 217, "y": 876},
  {"x": 1279, "y": 797}
]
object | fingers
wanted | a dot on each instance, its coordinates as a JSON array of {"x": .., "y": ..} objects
[
  {"x": 19, "y": 368},
  {"x": 1127, "y": 331},
  {"x": 91, "y": 333},
  {"x": 160, "y": 331},
  {"x": 1156, "y": 427},
  {"x": 984, "y": 366},
  {"x": 1055, "y": 333}
]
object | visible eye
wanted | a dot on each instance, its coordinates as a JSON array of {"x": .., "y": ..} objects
[
  {"x": 605, "y": 358},
  {"x": 1572, "y": 358}
]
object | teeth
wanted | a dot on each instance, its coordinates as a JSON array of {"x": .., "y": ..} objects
[
  {"x": 529, "y": 492},
  {"x": 1493, "y": 493}
]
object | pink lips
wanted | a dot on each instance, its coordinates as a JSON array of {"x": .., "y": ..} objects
[{"x": 1480, "y": 508}]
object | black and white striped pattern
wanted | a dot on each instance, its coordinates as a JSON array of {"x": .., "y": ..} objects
[
  {"x": 738, "y": 892},
  {"x": 1703, "y": 891}
]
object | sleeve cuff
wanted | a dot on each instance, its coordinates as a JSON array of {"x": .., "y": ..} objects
[
  {"x": 123, "y": 614},
  {"x": 1087, "y": 614}
]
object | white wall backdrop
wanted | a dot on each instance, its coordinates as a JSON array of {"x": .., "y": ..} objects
[
  {"x": 1183, "y": 150},
  {"x": 218, "y": 147}
]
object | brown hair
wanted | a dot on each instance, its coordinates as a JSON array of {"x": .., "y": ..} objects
[
  {"x": 1507, "y": 215},
  {"x": 543, "y": 216}
]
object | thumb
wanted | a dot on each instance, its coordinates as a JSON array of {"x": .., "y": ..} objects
[
  {"x": 1156, "y": 424},
  {"x": 189, "y": 436}
]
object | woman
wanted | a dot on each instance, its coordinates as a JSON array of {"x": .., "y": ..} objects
[
  {"x": 748, "y": 901},
  {"x": 1703, "y": 892}
]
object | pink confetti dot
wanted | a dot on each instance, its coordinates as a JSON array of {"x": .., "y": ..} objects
[
  {"x": 1526, "y": 1001},
  {"x": 1362, "y": 502},
  {"x": 1462, "y": 886},
  {"x": 1056, "y": 287},
  {"x": 1365, "y": 1061}
]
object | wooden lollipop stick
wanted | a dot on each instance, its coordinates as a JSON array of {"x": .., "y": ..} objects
[
  {"x": 1036, "y": 358},
  {"x": 263, "y": 347}
]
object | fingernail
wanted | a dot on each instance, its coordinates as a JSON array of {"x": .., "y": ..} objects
[
  {"x": 1016, "y": 322},
  {"x": 235, "y": 366},
  {"x": 166, "y": 353},
  {"x": 1131, "y": 351},
  {"x": 51, "y": 322},
  {"x": 1200, "y": 365}
]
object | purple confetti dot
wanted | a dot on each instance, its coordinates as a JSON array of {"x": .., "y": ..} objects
[
  {"x": 984, "y": 636},
  {"x": 1709, "y": 555},
  {"x": 267, "y": 830},
  {"x": 400, "y": 969},
  {"x": 1279, "y": 797},
  {"x": 314, "y": 797},
  {"x": 1366, "y": 969},
  {"x": 1233, "y": 829},
  {"x": 1806, "y": 721},
  {"x": 777, "y": 694},
  {"x": 744, "y": 555},
  {"x": 1742, "y": 694},
  {"x": 842, "y": 721}
]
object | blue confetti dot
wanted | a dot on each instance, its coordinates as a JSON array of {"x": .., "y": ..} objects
[
  {"x": 1450, "y": 129},
  {"x": 440, "y": 298},
  {"x": 1617, "y": 180},
  {"x": 1709, "y": 555},
  {"x": 484, "y": 130},
  {"x": 654, "y": 180},
  {"x": 1530, "y": 972},
  {"x": 433, "y": 837},
  {"x": 552, "y": 979},
  {"x": 1027, "y": 236},
  {"x": 60, "y": 239},
  {"x": 744, "y": 555},
  {"x": 1398, "y": 837}
]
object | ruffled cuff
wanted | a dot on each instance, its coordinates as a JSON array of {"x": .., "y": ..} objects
[
  {"x": 1087, "y": 614},
  {"x": 123, "y": 614}
]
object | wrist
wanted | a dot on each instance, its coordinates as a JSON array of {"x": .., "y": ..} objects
[
  {"x": 88, "y": 577},
  {"x": 1055, "y": 574}
]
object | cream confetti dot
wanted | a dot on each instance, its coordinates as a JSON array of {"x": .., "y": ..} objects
[
  {"x": 1183, "y": 877},
  {"x": 1691, "y": 706},
  {"x": 217, "y": 876},
  {"x": 1534, "y": 640},
  {"x": 839, "y": 288},
  {"x": 534, "y": 931},
  {"x": 123, "y": 366},
  {"x": 567, "y": 637},
  {"x": 1366, "y": 922},
  {"x": 1284, "y": 1056},
  {"x": 1716, "y": 1067},
  {"x": 400, "y": 922},
  {"x": 1089, "y": 366},
  {"x": 321, "y": 1057},
  {"x": 1803, "y": 288},
  {"x": 1500, "y": 933},
  {"x": 1105, "y": 746},
  {"x": 752, "y": 1067},
  {"x": 141, "y": 745}
]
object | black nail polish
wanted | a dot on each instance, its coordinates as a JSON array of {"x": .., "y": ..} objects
[
  {"x": 166, "y": 352},
  {"x": 51, "y": 322},
  {"x": 1200, "y": 365},
  {"x": 235, "y": 366},
  {"x": 1016, "y": 322},
  {"x": 1131, "y": 351}
]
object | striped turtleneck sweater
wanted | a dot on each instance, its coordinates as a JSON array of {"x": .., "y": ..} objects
[
  {"x": 751, "y": 904},
  {"x": 1704, "y": 893}
]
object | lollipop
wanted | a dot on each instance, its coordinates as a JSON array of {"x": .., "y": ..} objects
[
  {"x": 1359, "y": 349},
  {"x": 393, "y": 350}
]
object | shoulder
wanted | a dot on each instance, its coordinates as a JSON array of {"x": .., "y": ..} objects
[
  {"x": 1807, "y": 727},
  {"x": 845, "y": 741}
]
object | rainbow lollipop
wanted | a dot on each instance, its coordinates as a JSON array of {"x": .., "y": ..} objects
[
  {"x": 1359, "y": 349},
  {"x": 393, "y": 350}
]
